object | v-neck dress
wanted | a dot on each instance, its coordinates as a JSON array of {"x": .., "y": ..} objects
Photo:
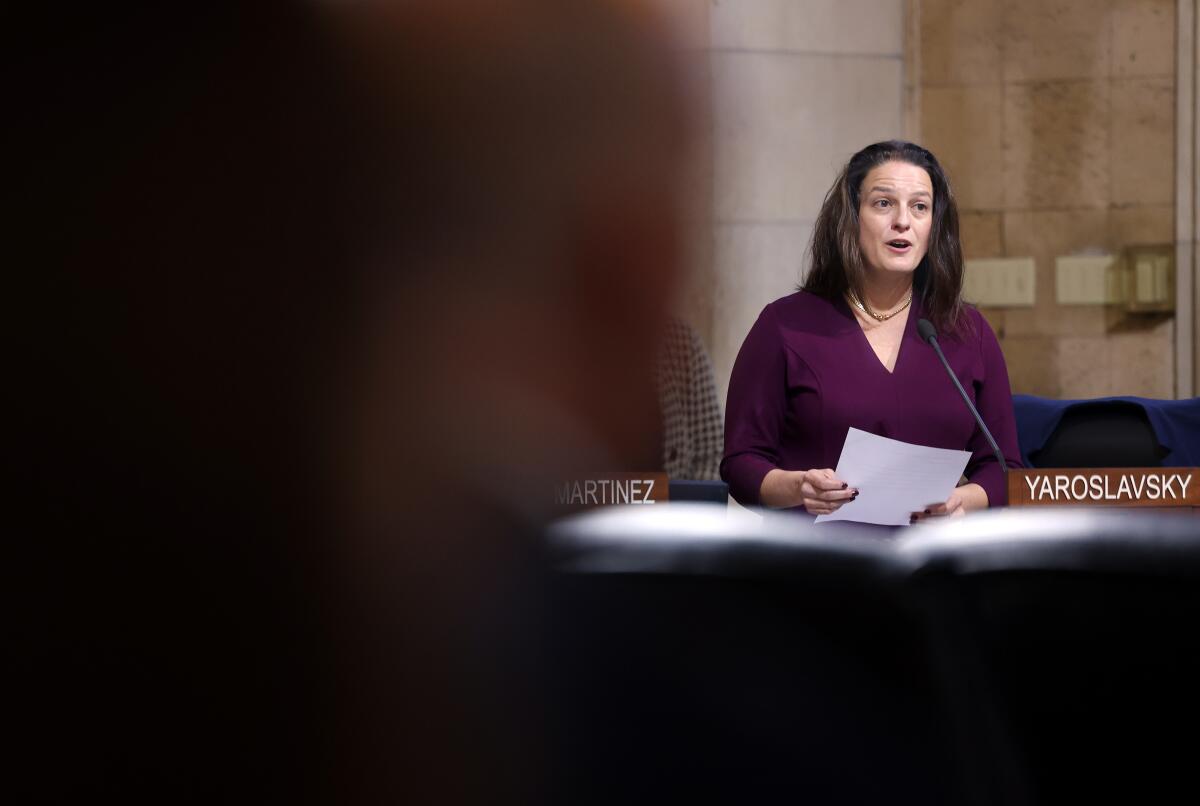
[{"x": 806, "y": 374}]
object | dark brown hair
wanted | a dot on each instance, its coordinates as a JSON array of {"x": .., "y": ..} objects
[{"x": 837, "y": 260}]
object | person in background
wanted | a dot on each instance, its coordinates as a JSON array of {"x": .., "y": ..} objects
[
  {"x": 691, "y": 411},
  {"x": 844, "y": 352},
  {"x": 321, "y": 298}
]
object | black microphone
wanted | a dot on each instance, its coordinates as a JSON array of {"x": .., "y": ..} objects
[{"x": 929, "y": 333}]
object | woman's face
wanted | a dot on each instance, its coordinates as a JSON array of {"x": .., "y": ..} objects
[{"x": 895, "y": 213}]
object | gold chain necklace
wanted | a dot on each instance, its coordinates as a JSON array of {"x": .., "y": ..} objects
[{"x": 879, "y": 317}]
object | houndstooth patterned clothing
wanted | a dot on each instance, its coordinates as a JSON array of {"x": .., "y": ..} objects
[{"x": 693, "y": 434}]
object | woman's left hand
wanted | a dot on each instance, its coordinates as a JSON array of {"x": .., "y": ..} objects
[{"x": 964, "y": 499}]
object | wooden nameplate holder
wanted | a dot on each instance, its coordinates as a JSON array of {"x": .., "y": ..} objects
[{"x": 1142, "y": 487}]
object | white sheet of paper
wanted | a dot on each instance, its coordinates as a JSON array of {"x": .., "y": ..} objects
[{"x": 894, "y": 479}]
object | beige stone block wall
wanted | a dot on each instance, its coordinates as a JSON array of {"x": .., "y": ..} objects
[
  {"x": 1054, "y": 40},
  {"x": 1056, "y": 122},
  {"x": 1187, "y": 193},
  {"x": 1143, "y": 141},
  {"x": 1056, "y": 137},
  {"x": 964, "y": 127},
  {"x": 958, "y": 42},
  {"x": 1143, "y": 37}
]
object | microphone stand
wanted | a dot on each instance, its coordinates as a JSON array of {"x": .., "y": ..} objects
[{"x": 929, "y": 334}]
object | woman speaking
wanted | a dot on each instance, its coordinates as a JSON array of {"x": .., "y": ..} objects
[{"x": 844, "y": 352}]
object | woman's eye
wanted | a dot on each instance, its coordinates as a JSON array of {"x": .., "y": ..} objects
[
  {"x": 921, "y": 207},
  {"x": 882, "y": 202}
]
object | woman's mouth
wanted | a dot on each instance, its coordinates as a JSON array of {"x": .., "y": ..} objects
[{"x": 899, "y": 246}]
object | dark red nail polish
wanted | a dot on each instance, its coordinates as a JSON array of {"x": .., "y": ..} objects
[
  {"x": 844, "y": 485},
  {"x": 927, "y": 512}
]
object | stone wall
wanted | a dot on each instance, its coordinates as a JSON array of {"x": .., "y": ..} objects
[{"x": 1056, "y": 122}]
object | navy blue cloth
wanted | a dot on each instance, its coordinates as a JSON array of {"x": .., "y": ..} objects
[
  {"x": 1176, "y": 423},
  {"x": 713, "y": 492}
]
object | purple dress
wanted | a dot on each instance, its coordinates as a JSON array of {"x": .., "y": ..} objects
[{"x": 806, "y": 374}]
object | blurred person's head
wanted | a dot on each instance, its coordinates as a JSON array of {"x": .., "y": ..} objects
[
  {"x": 291, "y": 268},
  {"x": 538, "y": 144},
  {"x": 540, "y": 222},
  {"x": 890, "y": 211}
]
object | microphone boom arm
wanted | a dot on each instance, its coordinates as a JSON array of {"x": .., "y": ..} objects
[{"x": 930, "y": 335}]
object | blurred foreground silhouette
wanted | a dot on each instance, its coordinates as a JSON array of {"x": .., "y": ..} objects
[{"x": 321, "y": 298}]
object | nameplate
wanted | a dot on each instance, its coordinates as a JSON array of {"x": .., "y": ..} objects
[
  {"x": 1111, "y": 487},
  {"x": 606, "y": 489}
]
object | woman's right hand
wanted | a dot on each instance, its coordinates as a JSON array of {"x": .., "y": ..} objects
[{"x": 820, "y": 492}]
